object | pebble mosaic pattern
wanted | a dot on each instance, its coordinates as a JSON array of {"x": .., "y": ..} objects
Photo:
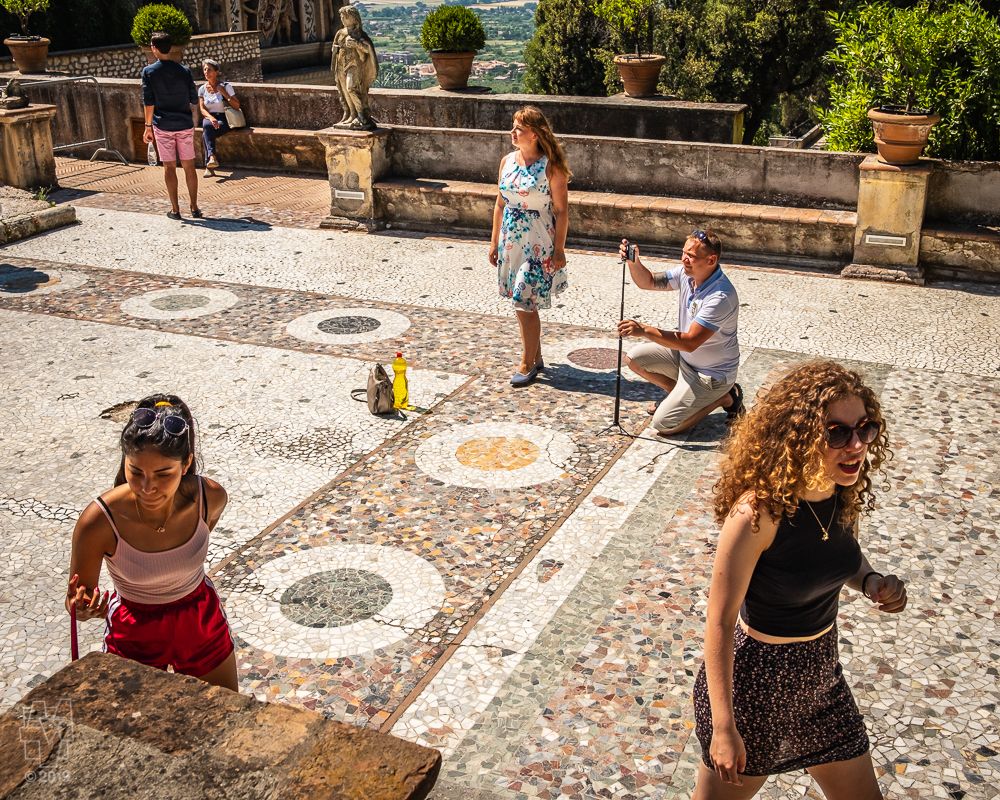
[
  {"x": 349, "y": 326},
  {"x": 179, "y": 303},
  {"x": 396, "y": 573}
]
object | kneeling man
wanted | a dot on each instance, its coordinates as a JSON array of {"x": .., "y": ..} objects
[{"x": 695, "y": 364}]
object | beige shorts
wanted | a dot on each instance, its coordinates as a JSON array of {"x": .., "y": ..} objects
[{"x": 694, "y": 390}]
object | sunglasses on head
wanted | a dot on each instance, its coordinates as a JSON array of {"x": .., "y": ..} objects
[
  {"x": 704, "y": 238},
  {"x": 839, "y": 435},
  {"x": 173, "y": 424}
]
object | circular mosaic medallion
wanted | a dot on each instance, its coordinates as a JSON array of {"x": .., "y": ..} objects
[
  {"x": 335, "y": 601},
  {"x": 348, "y": 326},
  {"x": 496, "y": 455},
  {"x": 497, "y": 452},
  {"x": 597, "y": 358},
  {"x": 335, "y": 598},
  {"x": 20, "y": 281},
  {"x": 179, "y": 303},
  {"x": 601, "y": 358},
  {"x": 341, "y": 326}
]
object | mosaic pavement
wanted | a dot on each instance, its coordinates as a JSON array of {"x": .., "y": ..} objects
[{"x": 489, "y": 574}]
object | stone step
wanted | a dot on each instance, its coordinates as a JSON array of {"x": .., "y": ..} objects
[
  {"x": 965, "y": 252},
  {"x": 788, "y": 233},
  {"x": 285, "y": 149}
]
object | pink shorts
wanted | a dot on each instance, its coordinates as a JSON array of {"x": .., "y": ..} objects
[
  {"x": 174, "y": 145},
  {"x": 191, "y": 634}
]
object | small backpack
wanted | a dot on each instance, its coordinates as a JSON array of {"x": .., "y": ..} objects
[{"x": 379, "y": 391}]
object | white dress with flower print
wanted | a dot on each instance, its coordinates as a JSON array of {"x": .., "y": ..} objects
[{"x": 527, "y": 237}]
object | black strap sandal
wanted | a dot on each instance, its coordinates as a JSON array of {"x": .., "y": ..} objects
[{"x": 737, "y": 409}]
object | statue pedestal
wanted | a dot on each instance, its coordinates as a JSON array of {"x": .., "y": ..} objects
[
  {"x": 355, "y": 160},
  {"x": 26, "y": 158},
  {"x": 891, "y": 204}
]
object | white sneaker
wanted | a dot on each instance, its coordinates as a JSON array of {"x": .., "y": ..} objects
[{"x": 212, "y": 163}]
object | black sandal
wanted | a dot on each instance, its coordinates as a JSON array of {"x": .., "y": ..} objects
[{"x": 737, "y": 409}]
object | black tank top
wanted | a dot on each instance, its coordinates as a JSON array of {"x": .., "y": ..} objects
[{"x": 795, "y": 587}]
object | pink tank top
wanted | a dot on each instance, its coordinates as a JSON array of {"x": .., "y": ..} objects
[{"x": 162, "y": 577}]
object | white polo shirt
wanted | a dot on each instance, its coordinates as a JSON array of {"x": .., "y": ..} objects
[{"x": 713, "y": 305}]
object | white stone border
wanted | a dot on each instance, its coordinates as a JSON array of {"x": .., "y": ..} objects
[
  {"x": 64, "y": 281},
  {"x": 558, "y": 353},
  {"x": 307, "y": 329},
  {"x": 418, "y": 593},
  {"x": 437, "y": 456},
  {"x": 142, "y": 306}
]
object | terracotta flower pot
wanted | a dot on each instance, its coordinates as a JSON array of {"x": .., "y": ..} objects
[
  {"x": 29, "y": 54},
  {"x": 640, "y": 74},
  {"x": 452, "y": 69},
  {"x": 900, "y": 138}
]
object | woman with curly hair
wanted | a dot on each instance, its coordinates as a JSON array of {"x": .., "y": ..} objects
[{"x": 771, "y": 696}]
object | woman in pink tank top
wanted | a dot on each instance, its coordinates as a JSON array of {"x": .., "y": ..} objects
[{"x": 151, "y": 530}]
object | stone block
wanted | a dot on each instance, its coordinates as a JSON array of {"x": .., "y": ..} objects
[
  {"x": 891, "y": 204},
  {"x": 26, "y": 157},
  {"x": 115, "y": 729},
  {"x": 355, "y": 160}
]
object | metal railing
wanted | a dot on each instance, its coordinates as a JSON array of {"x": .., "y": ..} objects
[{"x": 104, "y": 141}]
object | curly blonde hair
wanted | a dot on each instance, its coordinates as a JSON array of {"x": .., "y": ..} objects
[{"x": 775, "y": 453}]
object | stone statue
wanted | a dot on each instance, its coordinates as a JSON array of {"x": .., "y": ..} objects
[
  {"x": 13, "y": 96},
  {"x": 355, "y": 66}
]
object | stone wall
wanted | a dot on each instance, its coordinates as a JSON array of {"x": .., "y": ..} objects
[
  {"x": 734, "y": 173},
  {"x": 239, "y": 54}
]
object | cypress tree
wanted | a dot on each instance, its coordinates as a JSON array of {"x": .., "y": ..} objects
[{"x": 563, "y": 56}]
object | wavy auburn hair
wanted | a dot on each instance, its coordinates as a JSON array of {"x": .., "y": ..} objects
[
  {"x": 776, "y": 451},
  {"x": 532, "y": 117}
]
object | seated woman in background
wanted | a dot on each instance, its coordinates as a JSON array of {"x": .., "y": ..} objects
[{"x": 213, "y": 97}]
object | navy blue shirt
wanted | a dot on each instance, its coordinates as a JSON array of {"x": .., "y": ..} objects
[{"x": 169, "y": 88}]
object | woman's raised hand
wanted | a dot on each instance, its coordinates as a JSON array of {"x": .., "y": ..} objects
[
  {"x": 87, "y": 607},
  {"x": 728, "y": 754}
]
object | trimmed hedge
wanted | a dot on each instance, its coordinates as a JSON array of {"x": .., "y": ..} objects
[
  {"x": 452, "y": 29},
  {"x": 160, "y": 17}
]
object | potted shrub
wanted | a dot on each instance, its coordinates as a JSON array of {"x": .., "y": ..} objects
[
  {"x": 633, "y": 20},
  {"x": 29, "y": 52},
  {"x": 892, "y": 56},
  {"x": 161, "y": 17},
  {"x": 452, "y": 35}
]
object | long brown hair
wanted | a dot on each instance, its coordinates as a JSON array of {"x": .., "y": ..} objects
[
  {"x": 532, "y": 117},
  {"x": 775, "y": 452}
]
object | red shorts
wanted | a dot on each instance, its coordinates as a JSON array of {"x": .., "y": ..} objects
[
  {"x": 191, "y": 634},
  {"x": 174, "y": 145}
]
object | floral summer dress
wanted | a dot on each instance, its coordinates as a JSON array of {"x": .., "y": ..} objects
[{"x": 527, "y": 234}]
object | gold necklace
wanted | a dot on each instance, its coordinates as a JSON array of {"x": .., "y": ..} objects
[
  {"x": 163, "y": 527},
  {"x": 826, "y": 533}
]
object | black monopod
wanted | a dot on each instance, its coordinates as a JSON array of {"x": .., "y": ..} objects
[{"x": 616, "y": 423}]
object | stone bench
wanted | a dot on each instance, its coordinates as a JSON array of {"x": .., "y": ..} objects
[
  {"x": 824, "y": 236},
  {"x": 107, "y": 727},
  {"x": 965, "y": 252},
  {"x": 285, "y": 149}
]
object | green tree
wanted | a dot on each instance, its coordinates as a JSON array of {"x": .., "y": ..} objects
[
  {"x": 744, "y": 51},
  {"x": 941, "y": 57},
  {"x": 72, "y": 24},
  {"x": 566, "y": 53}
]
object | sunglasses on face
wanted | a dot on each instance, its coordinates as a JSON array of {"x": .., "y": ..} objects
[
  {"x": 839, "y": 435},
  {"x": 173, "y": 424}
]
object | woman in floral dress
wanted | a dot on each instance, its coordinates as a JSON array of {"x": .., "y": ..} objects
[{"x": 529, "y": 230}]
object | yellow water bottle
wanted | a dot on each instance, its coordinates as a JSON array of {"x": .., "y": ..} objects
[{"x": 400, "y": 390}]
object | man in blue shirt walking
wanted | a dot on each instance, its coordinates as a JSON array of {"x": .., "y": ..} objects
[
  {"x": 168, "y": 97},
  {"x": 695, "y": 364}
]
